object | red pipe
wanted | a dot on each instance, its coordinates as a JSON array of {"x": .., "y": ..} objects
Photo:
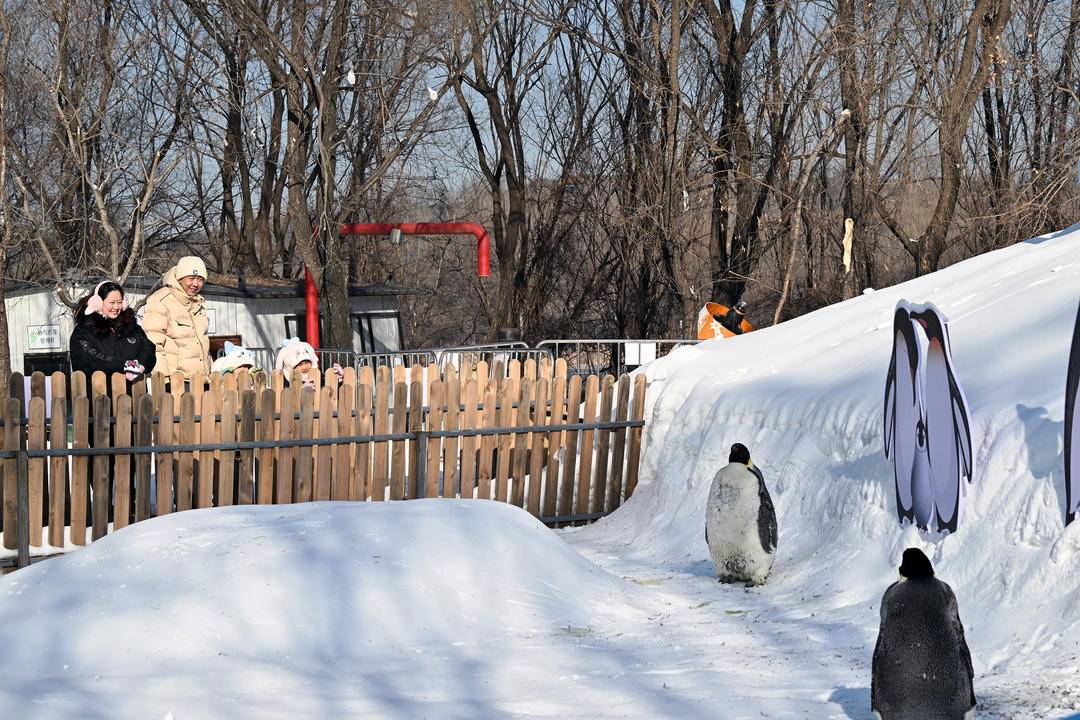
[
  {"x": 483, "y": 242},
  {"x": 311, "y": 305}
]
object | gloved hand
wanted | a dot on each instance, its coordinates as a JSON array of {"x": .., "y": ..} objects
[
  {"x": 133, "y": 369},
  {"x": 338, "y": 369},
  {"x": 309, "y": 381}
]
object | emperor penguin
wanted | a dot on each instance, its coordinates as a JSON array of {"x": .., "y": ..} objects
[
  {"x": 740, "y": 521},
  {"x": 922, "y": 666}
]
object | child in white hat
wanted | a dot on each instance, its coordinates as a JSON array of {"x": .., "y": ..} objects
[
  {"x": 235, "y": 357},
  {"x": 297, "y": 355}
]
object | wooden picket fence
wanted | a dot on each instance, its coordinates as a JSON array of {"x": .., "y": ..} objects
[{"x": 565, "y": 448}]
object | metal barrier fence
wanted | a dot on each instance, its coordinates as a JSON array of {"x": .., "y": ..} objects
[
  {"x": 405, "y": 358},
  {"x": 328, "y": 357},
  {"x": 491, "y": 353},
  {"x": 586, "y": 356},
  {"x": 265, "y": 358}
]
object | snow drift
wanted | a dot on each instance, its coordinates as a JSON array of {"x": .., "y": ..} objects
[{"x": 806, "y": 398}]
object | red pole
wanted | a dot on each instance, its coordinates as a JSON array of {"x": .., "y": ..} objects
[
  {"x": 483, "y": 241},
  {"x": 311, "y": 305}
]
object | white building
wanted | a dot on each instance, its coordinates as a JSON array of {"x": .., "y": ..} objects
[{"x": 255, "y": 314}]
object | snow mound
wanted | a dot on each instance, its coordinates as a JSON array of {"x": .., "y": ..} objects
[
  {"x": 807, "y": 398},
  {"x": 314, "y": 610}
]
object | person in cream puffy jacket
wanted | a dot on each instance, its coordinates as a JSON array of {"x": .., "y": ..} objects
[{"x": 176, "y": 322}]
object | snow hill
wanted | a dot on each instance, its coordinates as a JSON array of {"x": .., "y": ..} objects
[
  {"x": 466, "y": 609},
  {"x": 806, "y": 397}
]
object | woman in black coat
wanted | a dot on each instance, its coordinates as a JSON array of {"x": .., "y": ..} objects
[{"x": 107, "y": 335}]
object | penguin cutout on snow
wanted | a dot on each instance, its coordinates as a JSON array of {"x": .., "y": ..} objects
[
  {"x": 922, "y": 666},
  {"x": 927, "y": 432},
  {"x": 740, "y": 521}
]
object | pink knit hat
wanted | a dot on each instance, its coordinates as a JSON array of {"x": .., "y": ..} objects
[{"x": 293, "y": 353}]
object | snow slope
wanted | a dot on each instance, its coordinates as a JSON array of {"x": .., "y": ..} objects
[
  {"x": 467, "y": 609},
  {"x": 806, "y": 397}
]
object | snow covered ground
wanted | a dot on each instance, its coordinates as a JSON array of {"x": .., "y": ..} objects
[{"x": 466, "y": 609}]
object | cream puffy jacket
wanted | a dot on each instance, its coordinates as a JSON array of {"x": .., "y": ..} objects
[{"x": 177, "y": 326}]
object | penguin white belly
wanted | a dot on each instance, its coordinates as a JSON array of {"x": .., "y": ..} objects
[{"x": 732, "y": 524}]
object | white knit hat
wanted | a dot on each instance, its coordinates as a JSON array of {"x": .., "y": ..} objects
[
  {"x": 189, "y": 266},
  {"x": 235, "y": 357},
  {"x": 294, "y": 352}
]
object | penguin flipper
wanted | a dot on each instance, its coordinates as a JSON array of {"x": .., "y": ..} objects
[
  {"x": 767, "y": 530},
  {"x": 1072, "y": 429},
  {"x": 902, "y": 409},
  {"x": 948, "y": 427},
  {"x": 952, "y": 611}
]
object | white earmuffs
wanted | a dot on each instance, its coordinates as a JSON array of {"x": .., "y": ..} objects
[{"x": 95, "y": 303}]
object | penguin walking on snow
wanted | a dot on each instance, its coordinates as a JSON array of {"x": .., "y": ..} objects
[
  {"x": 922, "y": 666},
  {"x": 740, "y": 521}
]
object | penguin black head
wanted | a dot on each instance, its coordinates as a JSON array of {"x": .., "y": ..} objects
[
  {"x": 916, "y": 565},
  {"x": 739, "y": 454}
]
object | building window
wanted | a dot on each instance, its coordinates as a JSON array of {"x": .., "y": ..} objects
[
  {"x": 296, "y": 326},
  {"x": 376, "y": 331}
]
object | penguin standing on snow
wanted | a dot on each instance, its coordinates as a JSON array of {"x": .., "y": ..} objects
[
  {"x": 740, "y": 521},
  {"x": 922, "y": 667}
]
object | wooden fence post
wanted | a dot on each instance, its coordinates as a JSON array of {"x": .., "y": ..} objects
[
  {"x": 358, "y": 487},
  {"x": 615, "y": 483},
  {"x": 400, "y": 419},
  {"x": 58, "y": 472},
  {"x": 264, "y": 491},
  {"x": 122, "y": 463},
  {"x": 144, "y": 427},
  {"x": 451, "y": 421},
  {"x": 245, "y": 486},
  {"x": 537, "y": 460},
  {"x": 305, "y": 453},
  {"x": 633, "y": 455},
  {"x": 325, "y": 466},
  {"x": 584, "y": 482},
  {"x": 470, "y": 421},
  {"x": 487, "y": 442},
  {"x": 185, "y": 466},
  {"x": 554, "y": 442},
  {"x": 13, "y": 410},
  {"x": 288, "y": 431},
  {"x": 413, "y": 488},
  {"x": 165, "y": 436},
  {"x": 227, "y": 458},
  {"x": 37, "y": 468},
  {"x": 434, "y": 444},
  {"x": 100, "y": 495},
  {"x": 343, "y": 452},
  {"x": 597, "y": 497},
  {"x": 521, "y": 444}
]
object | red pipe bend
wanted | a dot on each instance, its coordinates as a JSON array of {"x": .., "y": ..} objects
[{"x": 483, "y": 241}]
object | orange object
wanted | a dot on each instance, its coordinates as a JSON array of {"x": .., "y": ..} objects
[{"x": 709, "y": 327}]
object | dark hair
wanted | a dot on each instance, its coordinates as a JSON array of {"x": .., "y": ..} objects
[{"x": 101, "y": 324}]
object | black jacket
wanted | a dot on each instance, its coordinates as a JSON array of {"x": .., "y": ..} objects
[{"x": 98, "y": 343}]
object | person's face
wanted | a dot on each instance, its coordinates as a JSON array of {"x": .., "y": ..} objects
[
  {"x": 112, "y": 304},
  {"x": 303, "y": 366},
  {"x": 192, "y": 284}
]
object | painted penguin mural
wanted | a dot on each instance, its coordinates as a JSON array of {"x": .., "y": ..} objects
[
  {"x": 1072, "y": 429},
  {"x": 927, "y": 432}
]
